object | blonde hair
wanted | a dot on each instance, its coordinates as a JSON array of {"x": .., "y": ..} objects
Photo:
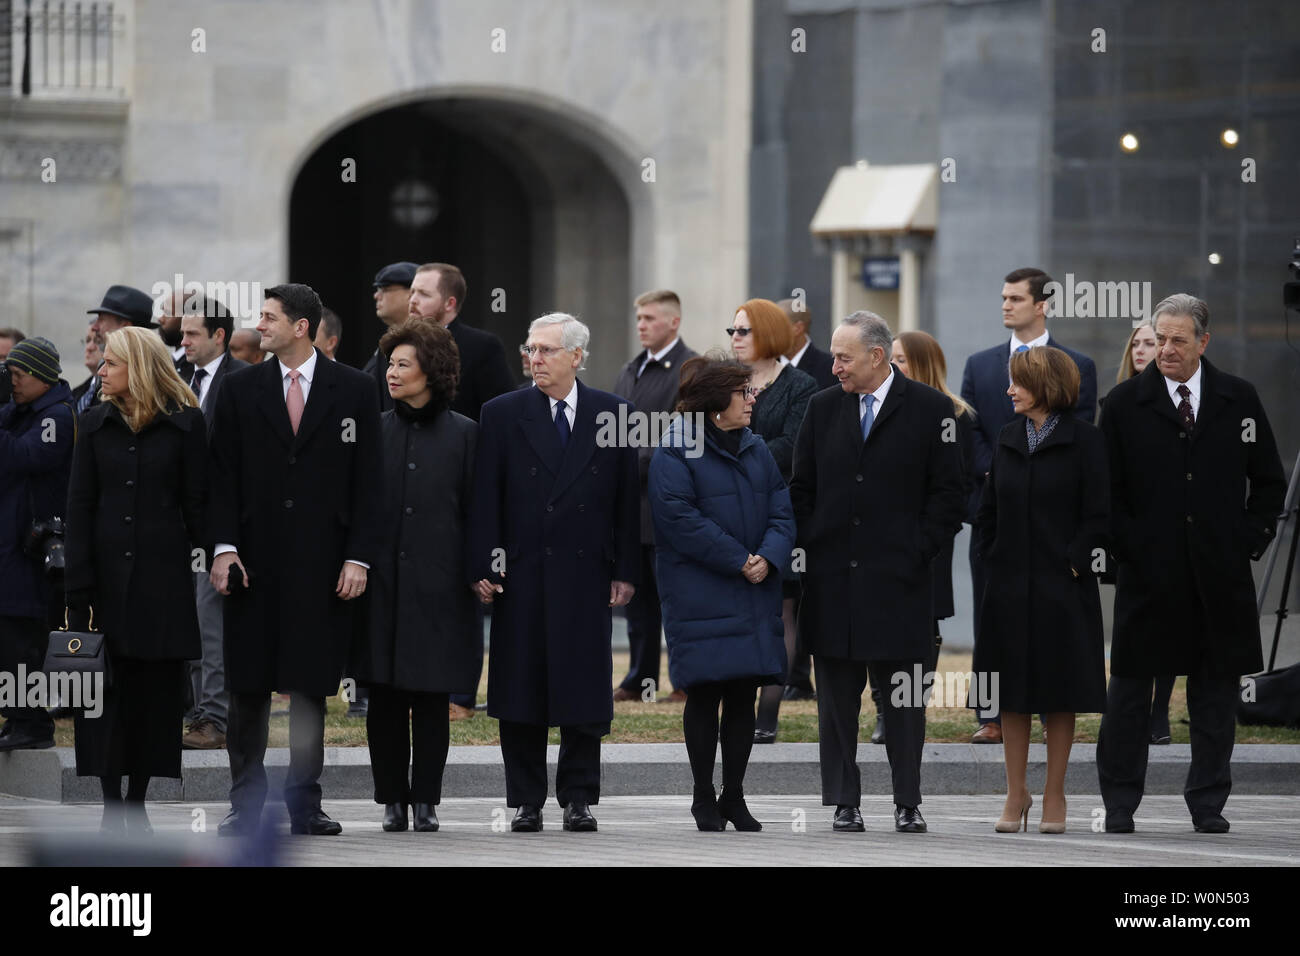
[
  {"x": 151, "y": 377},
  {"x": 1126, "y": 367},
  {"x": 927, "y": 365}
]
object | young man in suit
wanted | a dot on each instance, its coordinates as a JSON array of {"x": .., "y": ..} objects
[
  {"x": 1196, "y": 488},
  {"x": 554, "y": 545},
  {"x": 877, "y": 493},
  {"x": 984, "y": 385},
  {"x": 206, "y": 327},
  {"x": 392, "y": 306},
  {"x": 649, "y": 382},
  {"x": 296, "y": 478}
]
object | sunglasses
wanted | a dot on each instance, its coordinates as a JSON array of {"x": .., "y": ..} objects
[{"x": 741, "y": 332}]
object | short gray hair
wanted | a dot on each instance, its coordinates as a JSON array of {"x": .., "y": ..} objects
[
  {"x": 872, "y": 330},
  {"x": 1181, "y": 303},
  {"x": 573, "y": 333}
]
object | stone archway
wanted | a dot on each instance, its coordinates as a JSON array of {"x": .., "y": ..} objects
[{"x": 528, "y": 199}]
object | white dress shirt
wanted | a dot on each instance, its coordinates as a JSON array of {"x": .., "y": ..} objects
[
  {"x": 879, "y": 396},
  {"x": 799, "y": 355},
  {"x": 1193, "y": 385},
  {"x": 570, "y": 405},
  {"x": 658, "y": 357},
  {"x": 209, "y": 373},
  {"x": 1035, "y": 343}
]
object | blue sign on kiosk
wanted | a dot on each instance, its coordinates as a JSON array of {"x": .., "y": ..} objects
[{"x": 880, "y": 272}]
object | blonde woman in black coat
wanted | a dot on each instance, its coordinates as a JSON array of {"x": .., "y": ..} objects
[
  {"x": 1042, "y": 524},
  {"x": 424, "y": 637},
  {"x": 135, "y": 507}
]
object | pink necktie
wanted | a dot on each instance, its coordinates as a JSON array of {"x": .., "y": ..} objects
[{"x": 294, "y": 400}]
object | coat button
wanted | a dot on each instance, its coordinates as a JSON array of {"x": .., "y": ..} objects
[
  {"x": 402, "y": 555},
  {"x": 857, "y": 478},
  {"x": 127, "y": 555},
  {"x": 532, "y": 471},
  {"x": 857, "y": 520},
  {"x": 580, "y": 552},
  {"x": 411, "y": 465},
  {"x": 131, "y": 449},
  {"x": 130, "y": 482},
  {"x": 594, "y": 469},
  {"x": 550, "y": 507},
  {"x": 1182, "y": 434},
  {"x": 293, "y": 460},
  {"x": 410, "y": 510},
  {"x": 1189, "y": 476},
  {"x": 127, "y": 519},
  {"x": 1189, "y": 519},
  {"x": 853, "y": 564},
  {"x": 288, "y": 502},
  {"x": 548, "y": 552},
  {"x": 582, "y": 508}
]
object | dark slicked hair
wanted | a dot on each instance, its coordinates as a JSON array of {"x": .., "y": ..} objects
[
  {"x": 435, "y": 352},
  {"x": 333, "y": 324},
  {"x": 298, "y": 302},
  {"x": 1037, "y": 278},
  {"x": 215, "y": 315}
]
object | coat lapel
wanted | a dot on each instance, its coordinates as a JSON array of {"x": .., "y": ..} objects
[
  {"x": 892, "y": 401},
  {"x": 272, "y": 403},
  {"x": 582, "y": 442},
  {"x": 319, "y": 401},
  {"x": 1152, "y": 391},
  {"x": 1213, "y": 398},
  {"x": 540, "y": 430}
]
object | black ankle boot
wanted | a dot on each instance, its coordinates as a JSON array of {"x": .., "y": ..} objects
[
  {"x": 731, "y": 806},
  {"x": 704, "y": 808}
]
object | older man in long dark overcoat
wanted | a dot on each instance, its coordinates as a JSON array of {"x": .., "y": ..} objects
[
  {"x": 297, "y": 478},
  {"x": 554, "y": 545},
  {"x": 1196, "y": 488},
  {"x": 877, "y": 493}
]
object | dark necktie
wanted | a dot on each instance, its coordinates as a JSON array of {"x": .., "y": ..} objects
[
  {"x": 562, "y": 424},
  {"x": 88, "y": 396},
  {"x": 196, "y": 384},
  {"x": 647, "y": 367},
  {"x": 1185, "y": 407}
]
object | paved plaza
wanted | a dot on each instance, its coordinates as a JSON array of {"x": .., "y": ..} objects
[{"x": 658, "y": 830}]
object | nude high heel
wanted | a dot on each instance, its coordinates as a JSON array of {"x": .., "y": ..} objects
[
  {"x": 1018, "y": 823},
  {"x": 1047, "y": 826}
]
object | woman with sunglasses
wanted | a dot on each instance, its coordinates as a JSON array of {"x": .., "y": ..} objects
[{"x": 760, "y": 336}]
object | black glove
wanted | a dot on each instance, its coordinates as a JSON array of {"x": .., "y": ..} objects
[{"x": 78, "y": 600}]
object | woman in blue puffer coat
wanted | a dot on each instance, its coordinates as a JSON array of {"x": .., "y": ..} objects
[{"x": 724, "y": 529}]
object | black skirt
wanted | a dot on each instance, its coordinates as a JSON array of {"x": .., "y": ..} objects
[{"x": 139, "y": 731}]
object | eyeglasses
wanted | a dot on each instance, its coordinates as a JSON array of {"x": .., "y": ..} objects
[
  {"x": 546, "y": 351},
  {"x": 748, "y": 391},
  {"x": 741, "y": 332}
]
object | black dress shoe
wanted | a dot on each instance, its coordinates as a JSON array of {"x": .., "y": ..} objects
[
  {"x": 528, "y": 819},
  {"x": 878, "y": 735},
  {"x": 765, "y": 736},
  {"x": 19, "y": 739},
  {"x": 1119, "y": 821},
  {"x": 395, "y": 817},
  {"x": 426, "y": 820},
  {"x": 1210, "y": 823},
  {"x": 315, "y": 823},
  {"x": 731, "y": 807},
  {"x": 578, "y": 818},
  {"x": 794, "y": 692},
  {"x": 704, "y": 808},
  {"x": 237, "y": 823},
  {"x": 848, "y": 820},
  {"x": 908, "y": 819}
]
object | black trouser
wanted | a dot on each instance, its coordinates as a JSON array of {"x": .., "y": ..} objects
[
  {"x": 470, "y": 698},
  {"x": 395, "y": 745},
  {"x": 839, "y": 703},
  {"x": 703, "y": 732},
  {"x": 246, "y": 729},
  {"x": 1125, "y": 735},
  {"x": 23, "y": 640},
  {"x": 523, "y": 750},
  {"x": 644, "y": 628}
]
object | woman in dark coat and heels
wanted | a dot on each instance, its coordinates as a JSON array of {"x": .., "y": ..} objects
[
  {"x": 1043, "y": 523},
  {"x": 135, "y": 509},
  {"x": 724, "y": 530},
  {"x": 760, "y": 337},
  {"x": 424, "y": 636}
]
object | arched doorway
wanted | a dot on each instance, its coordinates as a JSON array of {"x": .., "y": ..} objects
[{"x": 515, "y": 195}]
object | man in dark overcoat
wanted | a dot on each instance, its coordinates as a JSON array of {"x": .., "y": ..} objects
[
  {"x": 297, "y": 473},
  {"x": 1196, "y": 488},
  {"x": 877, "y": 493},
  {"x": 650, "y": 383},
  {"x": 554, "y": 545}
]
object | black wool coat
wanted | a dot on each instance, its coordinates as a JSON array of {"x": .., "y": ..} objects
[
  {"x": 1042, "y": 518},
  {"x": 566, "y": 522},
  {"x": 779, "y": 412},
  {"x": 872, "y": 516},
  {"x": 942, "y": 567},
  {"x": 424, "y": 633},
  {"x": 654, "y": 391},
  {"x": 295, "y": 507},
  {"x": 135, "y": 518},
  {"x": 484, "y": 371},
  {"x": 1190, "y": 511}
]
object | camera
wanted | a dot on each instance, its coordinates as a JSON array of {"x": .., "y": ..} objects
[
  {"x": 44, "y": 543},
  {"x": 6, "y": 384}
]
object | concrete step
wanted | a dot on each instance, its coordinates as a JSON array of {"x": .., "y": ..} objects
[{"x": 643, "y": 769}]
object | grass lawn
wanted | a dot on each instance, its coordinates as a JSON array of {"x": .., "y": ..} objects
[{"x": 635, "y": 722}]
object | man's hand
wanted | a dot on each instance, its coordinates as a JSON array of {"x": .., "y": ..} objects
[
  {"x": 487, "y": 590},
  {"x": 620, "y": 592},
  {"x": 755, "y": 569},
  {"x": 220, "y": 574},
  {"x": 352, "y": 581}
]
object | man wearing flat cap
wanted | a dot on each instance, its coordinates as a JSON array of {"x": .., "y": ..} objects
[
  {"x": 36, "y": 436},
  {"x": 121, "y": 306},
  {"x": 392, "y": 303}
]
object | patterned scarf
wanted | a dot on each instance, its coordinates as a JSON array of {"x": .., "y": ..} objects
[{"x": 1036, "y": 438}]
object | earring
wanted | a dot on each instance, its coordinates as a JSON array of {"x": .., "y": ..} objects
[{"x": 717, "y": 416}]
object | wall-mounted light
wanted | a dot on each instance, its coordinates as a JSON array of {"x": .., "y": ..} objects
[
  {"x": 1215, "y": 258},
  {"x": 1129, "y": 143},
  {"x": 1229, "y": 138}
]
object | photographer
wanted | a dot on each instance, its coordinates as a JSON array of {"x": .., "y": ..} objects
[{"x": 37, "y": 430}]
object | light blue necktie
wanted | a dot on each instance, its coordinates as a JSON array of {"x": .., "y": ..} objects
[{"x": 867, "y": 417}]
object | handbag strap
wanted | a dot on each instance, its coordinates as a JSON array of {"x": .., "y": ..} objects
[{"x": 90, "y": 625}]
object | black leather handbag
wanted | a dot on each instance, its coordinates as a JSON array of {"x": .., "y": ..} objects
[{"x": 79, "y": 652}]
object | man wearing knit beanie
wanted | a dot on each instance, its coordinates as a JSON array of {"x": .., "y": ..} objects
[{"x": 36, "y": 435}]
